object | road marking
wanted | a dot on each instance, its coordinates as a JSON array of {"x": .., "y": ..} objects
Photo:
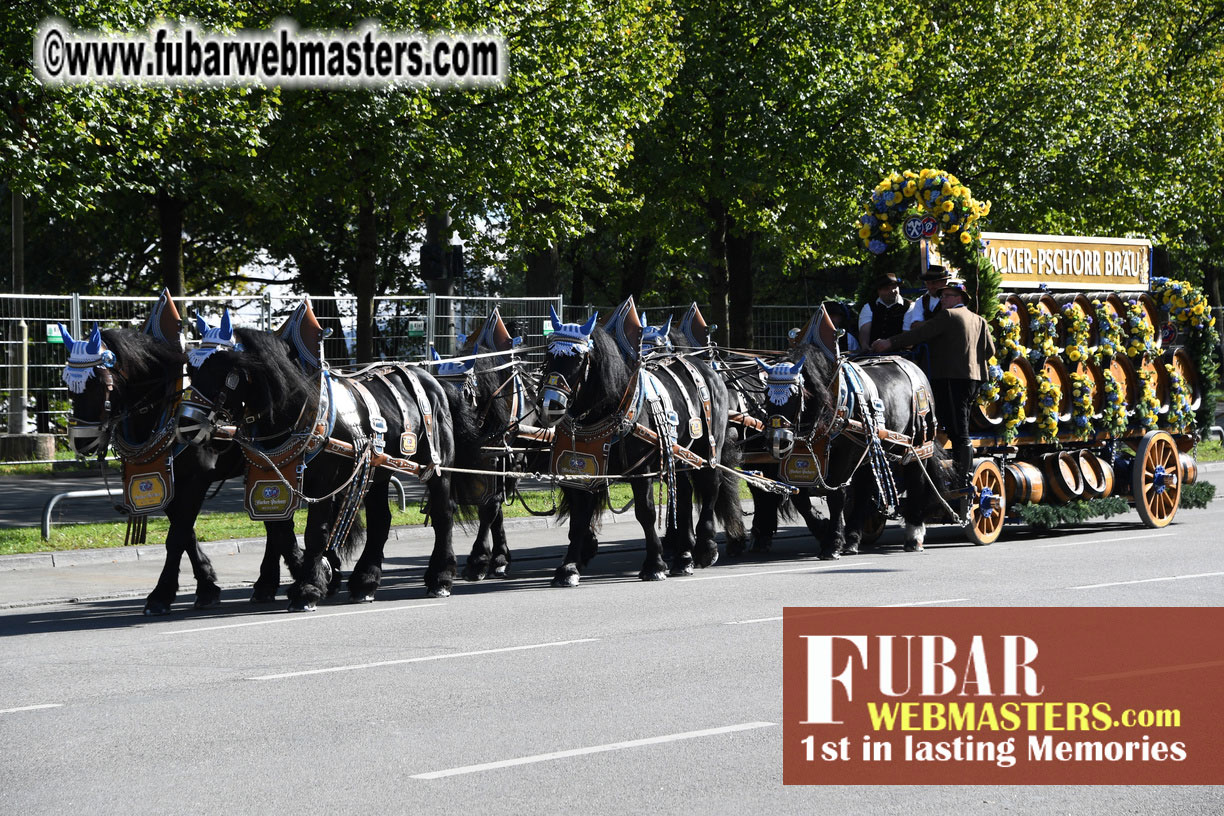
[
  {"x": 1149, "y": 580},
  {"x": 420, "y": 659},
  {"x": 594, "y": 749},
  {"x": 285, "y": 617},
  {"x": 754, "y": 620},
  {"x": 925, "y": 603},
  {"x": 754, "y": 573},
  {"x": 1106, "y": 540},
  {"x": 30, "y": 708}
]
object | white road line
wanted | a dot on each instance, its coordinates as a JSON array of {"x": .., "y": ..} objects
[
  {"x": 1149, "y": 580},
  {"x": 1105, "y": 540},
  {"x": 594, "y": 749},
  {"x": 420, "y": 659},
  {"x": 754, "y": 573},
  {"x": 30, "y": 708},
  {"x": 925, "y": 603},
  {"x": 296, "y": 618},
  {"x": 754, "y": 620}
]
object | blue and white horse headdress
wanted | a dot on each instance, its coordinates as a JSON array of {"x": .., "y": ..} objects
[
  {"x": 164, "y": 323},
  {"x": 783, "y": 380},
  {"x": 568, "y": 339},
  {"x": 84, "y": 356},
  {"x": 213, "y": 340},
  {"x": 303, "y": 331},
  {"x": 821, "y": 333},
  {"x": 494, "y": 336},
  {"x": 655, "y": 338},
  {"x": 451, "y": 370}
]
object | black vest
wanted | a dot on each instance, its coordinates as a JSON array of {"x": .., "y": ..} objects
[
  {"x": 886, "y": 320},
  {"x": 927, "y": 311}
]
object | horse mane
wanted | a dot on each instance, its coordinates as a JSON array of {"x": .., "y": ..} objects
[
  {"x": 496, "y": 409},
  {"x": 609, "y": 375},
  {"x": 266, "y": 360},
  {"x": 817, "y": 378},
  {"x": 141, "y": 356}
]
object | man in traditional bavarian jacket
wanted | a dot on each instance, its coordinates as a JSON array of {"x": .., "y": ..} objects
[
  {"x": 885, "y": 316},
  {"x": 961, "y": 347}
]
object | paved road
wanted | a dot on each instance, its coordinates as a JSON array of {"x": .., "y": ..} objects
[{"x": 409, "y": 704}]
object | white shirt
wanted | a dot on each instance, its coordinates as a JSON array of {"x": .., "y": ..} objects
[
  {"x": 865, "y": 314},
  {"x": 915, "y": 312}
]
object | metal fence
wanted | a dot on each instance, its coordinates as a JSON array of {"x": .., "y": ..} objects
[{"x": 32, "y": 354}]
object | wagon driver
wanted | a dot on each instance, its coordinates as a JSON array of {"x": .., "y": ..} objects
[
  {"x": 961, "y": 346},
  {"x": 884, "y": 317}
]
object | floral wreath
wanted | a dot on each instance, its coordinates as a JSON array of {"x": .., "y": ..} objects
[
  {"x": 1140, "y": 333},
  {"x": 1179, "y": 415},
  {"x": 1008, "y": 335},
  {"x": 1081, "y": 406},
  {"x": 1043, "y": 327},
  {"x": 1110, "y": 336},
  {"x": 1048, "y": 397},
  {"x": 1113, "y": 409},
  {"x": 1186, "y": 304},
  {"x": 1010, "y": 389},
  {"x": 928, "y": 192},
  {"x": 1146, "y": 409},
  {"x": 1079, "y": 332}
]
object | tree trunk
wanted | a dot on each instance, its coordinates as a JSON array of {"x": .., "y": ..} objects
[
  {"x": 543, "y": 272},
  {"x": 719, "y": 305},
  {"x": 633, "y": 280},
  {"x": 366, "y": 275},
  {"x": 316, "y": 278},
  {"x": 170, "y": 217},
  {"x": 739, "y": 289}
]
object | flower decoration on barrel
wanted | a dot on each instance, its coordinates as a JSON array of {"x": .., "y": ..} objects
[
  {"x": 1113, "y": 409},
  {"x": 1049, "y": 395},
  {"x": 1006, "y": 390},
  {"x": 1110, "y": 334},
  {"x": 1185, "y": 303},
  {"x": 1081, "y": 406},
  {"x": 1078, "y": 328},
  {"x": 1180, "y": 415},
  {"x": 1043, "y": 328},
  {"x": 1146, "y": 411},
  {"x": 1140, "y": 333},
  {"x": 1007, "y": 334}
]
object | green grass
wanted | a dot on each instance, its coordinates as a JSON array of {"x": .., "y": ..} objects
[
  {"x": 221, "y": 526},
  {"x": 1209, "y": 451}
]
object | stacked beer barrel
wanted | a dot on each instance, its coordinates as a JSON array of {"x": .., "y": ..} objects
[{"x": 1081, "y": 341}]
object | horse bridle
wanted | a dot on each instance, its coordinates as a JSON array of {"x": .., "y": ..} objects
[
  {"x": 87, "y": 437},
  {"x": 562, "y": 392},
  {"x": 204, "y": 414}
]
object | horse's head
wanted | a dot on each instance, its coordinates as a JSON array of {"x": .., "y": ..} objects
[
  {"x": 90, "y": 377},
  {"x": 218, "y": 386},
  {"x": 784, "y": 393},
  {"x": 566, "y": 366},
  {"x": 655, "y": 339}
]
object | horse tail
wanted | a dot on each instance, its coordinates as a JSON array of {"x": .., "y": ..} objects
[{"x": 728, "y": 508}]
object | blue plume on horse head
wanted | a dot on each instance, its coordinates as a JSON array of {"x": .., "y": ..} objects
[
  {"x": 552, "y": 316},
  {"x": 797, "y": 367},
  {"x": 227, "y": 329},
  {"x": 201, "y": 325},
  {"x": 94, "y": 344},
  {"x": 589, "y": 326}
]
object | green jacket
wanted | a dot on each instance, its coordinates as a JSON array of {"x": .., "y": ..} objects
[{"x": 960, "y": 344}]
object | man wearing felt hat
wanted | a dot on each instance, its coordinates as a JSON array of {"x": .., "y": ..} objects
[
  {"x": 885, "y": 316},
  {"x": 925, "y": 307},
  {"x": 961, "y": 347}
]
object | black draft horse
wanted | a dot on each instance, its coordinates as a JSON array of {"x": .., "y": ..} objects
[
  {"x": 592, "y": 396},
  {"x": 123, "y": 385},
  {"x": 265, "y": 393},
  {"x": 891, "y": 394}
]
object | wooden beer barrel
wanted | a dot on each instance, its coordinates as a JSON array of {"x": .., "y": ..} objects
[
  {"x": 1012, "y": 308},
  {"x": 1188, "y": 467},
  {"x": 1111, "y": 302},
  {"x": 1063, "y": 475},
  {"x": 1055, "y": 370},
  {"x": 1096, "y": 383},
  {"x": 1023, "y": 484},
  {"x": 1076, "y": 302},
  {"x": 1160, "y": 380},
  {"x": 1097, "y": 473},
  {"x": 1122, "y": 371},
  {"x": 1183, "y": 364},
  {"x": 1151, "y": 312},
  {"x": 990, "y": 417}
]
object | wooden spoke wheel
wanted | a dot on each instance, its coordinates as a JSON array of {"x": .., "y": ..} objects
[
  {"x": 1156, "y": 479},
  {"x": 987, "y": 503},
  {"x": 873, "y": 527}
]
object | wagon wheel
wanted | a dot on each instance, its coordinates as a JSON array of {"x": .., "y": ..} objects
[
  {"x": 988, "y": 505},
  {"x": 1155, "y": 479},
  {"x": 873, "y": 527}
]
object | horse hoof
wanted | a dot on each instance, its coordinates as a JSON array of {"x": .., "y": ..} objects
[
  {"x": 261, "y": 597},
  {"x": 440, "y": 592},
  {"x": 473, "y": 575},
  {"x": 362, "y": 599},
  {"x": 501, "y": 572},
  {"x": 914, "y": 548},
  {"x": 659, "y": 575},
  {"x": 829, "y": 556},
  {"x": 156, "y": 609},
  {"x": 302, "y": 606},
  {"x": 850, "y": 550},
  {"x": 677, "y": 572},
  {"x": 207, "y": 602},
  {"x": 565, "y": 581},
  {"x": 713, "y": 559}
]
